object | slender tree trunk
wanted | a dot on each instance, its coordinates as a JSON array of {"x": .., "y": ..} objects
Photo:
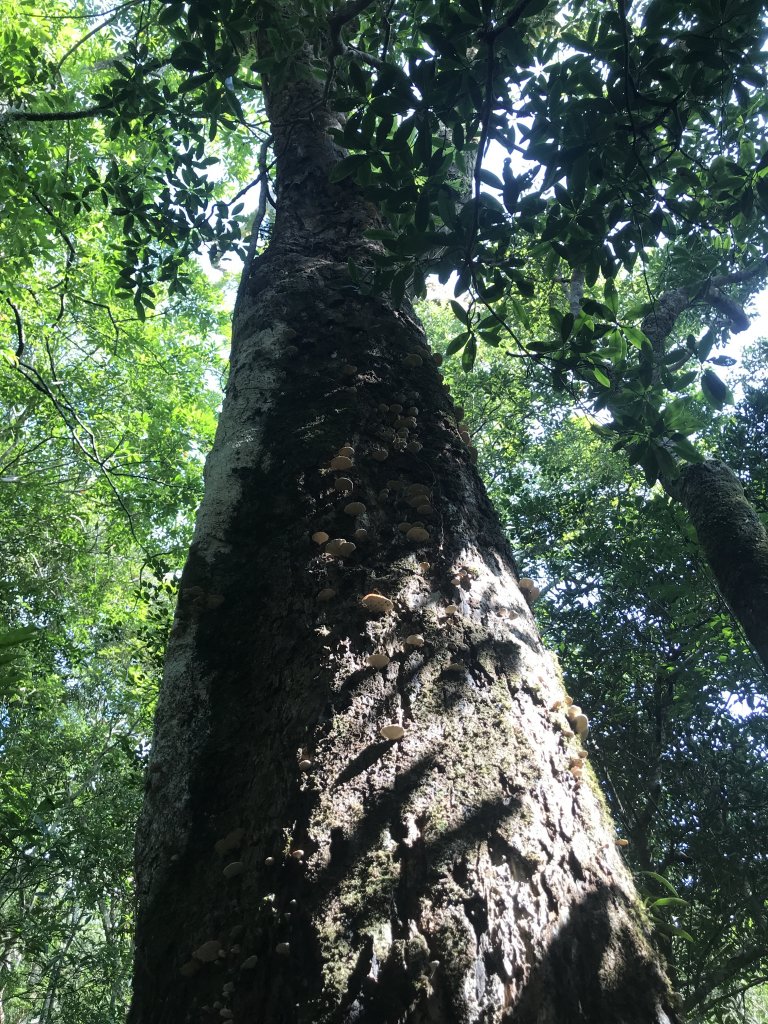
[
  {"x": 733, "y": 540},
  {"x": 732, "y": 537},
  {"x": 294, "y": 865}
]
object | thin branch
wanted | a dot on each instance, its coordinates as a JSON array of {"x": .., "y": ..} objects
[
  {"x": 19, "y": 328},
  {"x": 347, "y": 12},
  {"x": 84, "y": 39}
]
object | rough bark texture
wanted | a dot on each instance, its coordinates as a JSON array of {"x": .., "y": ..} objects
[
  {"x": 732, "y": 537},
  {"x": 734, "y": 542},
  {"x": 293, "y": 865}
]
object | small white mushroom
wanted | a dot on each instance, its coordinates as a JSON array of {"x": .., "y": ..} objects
[{"x": 297, "y": 854}]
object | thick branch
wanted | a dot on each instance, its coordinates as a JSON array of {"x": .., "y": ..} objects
[{"x": 14, "y": 114}]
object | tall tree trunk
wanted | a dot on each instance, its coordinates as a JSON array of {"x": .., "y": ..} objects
[
  {"x": 733, "y": 540},
  {"x": 732, "y": 537},
  {"x": 294, "y": 864}
]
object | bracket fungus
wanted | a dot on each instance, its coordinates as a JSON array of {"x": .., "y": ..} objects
[
  {"x": 529, "y": 589},
  {"x": 249, "y": 963},
  {"x": 377, "y": 603},
  {"x": 343, "y": 483},
  {"x": 326, "y": 594},
  {"x": 417, "y": 534},
  {"x": 377, "y": 660},
  {"x": 354, "y": 508},
  {"x": 283, "y": 948},
  {"x": 379, "y": 454},
  {"x": 340, "y": 548},
  {"x": 305, "y": 764},
  {"x": 360, "y": 534},
  {"x": 297, "y": 854},
  {"x": 451, "y": 609},
  {"x": 412, "y": 360},
  {"x": 234, "y": 869},
  {"x": 581, "y": 724},
  {"x": 341, "y": 462},
  {"x": 415, "y": 640},
  {"x": 346, "y": 451},
  {"x": 348, "y": 370},
  {"x": 320, "y": 537},
  {"x": 231, "y": 841},
  {"x": 208, "y": 952},
  {"x": 392, "y": 732}
]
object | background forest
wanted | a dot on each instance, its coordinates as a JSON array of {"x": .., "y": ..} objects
[{"x": 112, "y": 368}]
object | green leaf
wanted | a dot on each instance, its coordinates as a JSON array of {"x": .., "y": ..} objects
[
  {"x": 457, "y": 343},
  {"x": 348, "y": 166},
  {"x": 715, "y": 391},
  {"x": 459, "y": 312},
  {"x": 663, "y": 882},
  {"x": 468, "y": 355},
  {"x": 489, "y": 178}
]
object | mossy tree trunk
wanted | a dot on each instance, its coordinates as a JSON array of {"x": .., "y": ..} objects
[
  {"x": 293, "y": 864},
  {"x": 730, "y": 532},
  {"x": 734, "y": 542}
]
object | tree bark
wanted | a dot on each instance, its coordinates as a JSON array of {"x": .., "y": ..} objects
[
  {"x": 293, "y": 865},
  {"x": 732, "y": 537},
  {"x": 734, "y": 542}
]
